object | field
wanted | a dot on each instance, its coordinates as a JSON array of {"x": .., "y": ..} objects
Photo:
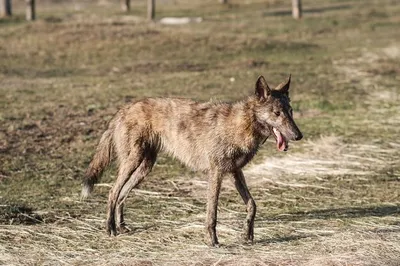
[{"x": 332, "y": 199}]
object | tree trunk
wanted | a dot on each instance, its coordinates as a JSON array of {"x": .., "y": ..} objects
[
  {"x": 30, "y": 10},
  {"x": 5, "y": 8},
  {"x": 151, "y": 9},
  {"x": 296, "y": 9},
  {"x": 126, "y": 5}
]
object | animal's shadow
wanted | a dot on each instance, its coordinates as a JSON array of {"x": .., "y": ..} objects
[
  {"x": 326, "y": 214},
  {"x": 349, "y": 212}
]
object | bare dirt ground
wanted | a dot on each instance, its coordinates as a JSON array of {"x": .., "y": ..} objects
[{"x": 333, "y": 199}]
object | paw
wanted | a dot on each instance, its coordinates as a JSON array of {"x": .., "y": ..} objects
[
  {"x": 247, "y": 241},
  {"x": 248, "y": 238},
  {"x": 212, "y": 242},
  {"x": 123, "y": 229}
]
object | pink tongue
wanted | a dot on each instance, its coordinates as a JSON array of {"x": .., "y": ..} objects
[{"x": 280, "y": 142}]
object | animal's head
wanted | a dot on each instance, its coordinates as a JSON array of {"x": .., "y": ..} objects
[{"x": 274, "y": 113}]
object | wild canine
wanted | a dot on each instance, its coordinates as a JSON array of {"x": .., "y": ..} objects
[{"x": 217, "y": 138}]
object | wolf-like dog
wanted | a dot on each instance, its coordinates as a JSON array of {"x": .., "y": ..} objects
[{"x": 216, "y": 138}]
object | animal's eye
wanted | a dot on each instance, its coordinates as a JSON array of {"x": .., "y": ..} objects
[{"x": 277, "y": 113}]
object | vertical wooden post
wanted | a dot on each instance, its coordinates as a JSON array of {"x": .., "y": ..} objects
[
  {"x": 5, "y": 8},
  {"x": 151, "y": 9},
  {"x": 223, "y": 1},
  {"x": 30, "y": 10},
  {"x": 296, "y": 9},
  {"x": 126, "y": 5}
]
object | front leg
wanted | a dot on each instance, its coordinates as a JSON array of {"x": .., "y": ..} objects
[
  {"x": 240, "y": 184},
  {"x": 214, "y": 187}
]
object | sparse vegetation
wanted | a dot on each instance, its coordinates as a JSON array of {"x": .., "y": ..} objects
[{"x": 333, "y": 199}]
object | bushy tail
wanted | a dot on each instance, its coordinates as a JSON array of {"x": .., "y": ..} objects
[{"x": 100, "y": 161}]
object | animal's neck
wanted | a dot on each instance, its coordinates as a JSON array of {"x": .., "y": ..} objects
[
  {"x": 259, "y": 129},
  {"x": 248, "y": 131}
]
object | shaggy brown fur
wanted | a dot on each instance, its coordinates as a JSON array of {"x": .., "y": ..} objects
[{"x": 218, "y": 138}]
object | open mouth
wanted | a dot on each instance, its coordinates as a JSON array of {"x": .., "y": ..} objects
[{"x": 281, "y": 142}]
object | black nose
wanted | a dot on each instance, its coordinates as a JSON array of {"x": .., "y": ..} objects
[{"x": 299, "y": 136}]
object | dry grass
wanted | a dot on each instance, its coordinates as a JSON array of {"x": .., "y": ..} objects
[
  {"x": 329, "y": 156},
  {"x": 333, "y": 199},
  {"x": 307, "y": 241}
]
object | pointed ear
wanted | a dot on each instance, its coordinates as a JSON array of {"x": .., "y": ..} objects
[
  {"x": 262, "y": 88},
  {"x": 284, "y": 86}
]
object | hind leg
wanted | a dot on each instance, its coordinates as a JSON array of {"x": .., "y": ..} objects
[
  {"x": 141, "y": 172},
  {"x": 127, "y": 167}
]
